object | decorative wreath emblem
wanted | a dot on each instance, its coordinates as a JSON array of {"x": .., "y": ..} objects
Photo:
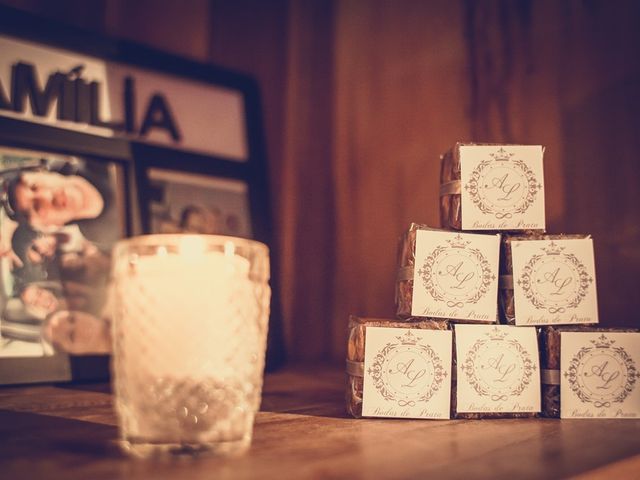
[
  {"x": 503, "y": 186},
  {"x": 407, "y": 372},
  {"x": 498, "y": 367},
  {"x": 601, "y": 373},
  {"x": 555, "y": 281},
  {"x": 456, "y": 274}
]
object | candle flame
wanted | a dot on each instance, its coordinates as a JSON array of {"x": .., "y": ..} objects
[
  {"x": 192, "y": 247},
  {"x": 229, "y": 249}
]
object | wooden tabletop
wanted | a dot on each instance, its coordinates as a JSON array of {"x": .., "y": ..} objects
[{"x": 302, "y": 431}]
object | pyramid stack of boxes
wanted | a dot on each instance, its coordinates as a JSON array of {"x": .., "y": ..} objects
[{"x": 501, "y": 322}]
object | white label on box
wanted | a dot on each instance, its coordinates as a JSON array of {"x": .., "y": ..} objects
[
  {"x": 554, "y": 282},
  {"x": 502, "y": 187},
  {"x": 498, "y": 369},
  {"x": 599, "y": 375},
  {"x": 407, "y": 373},
  {"x": 456, "y": 276}
]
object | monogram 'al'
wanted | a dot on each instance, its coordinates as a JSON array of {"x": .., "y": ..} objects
[
  {"x": 599, "y": 375},
  {"x": 497, "y": 370},
  {"x": 553, "y": 277},
  {"x": 492, "y": 187},
  {"x": 449, "y": 275}
]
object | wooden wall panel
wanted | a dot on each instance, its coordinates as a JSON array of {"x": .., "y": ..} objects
[
  {"x": 361, "y": 98},
  {"x": 307, "y": 214},
  {"x": 513, "y": 81},
  {"x": 181, "y": 28},
  {"x": 82, "y": 13},
  {"x": 251, "y": 36},
  {"x": 600, "y": 125},
  {"x": 287, "y": 46},
  {"x": 401, "y": 99},
  {"x": 414, "y": 77}
]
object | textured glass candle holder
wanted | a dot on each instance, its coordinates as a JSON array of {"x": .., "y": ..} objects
[{"x": 189, "y": 340}]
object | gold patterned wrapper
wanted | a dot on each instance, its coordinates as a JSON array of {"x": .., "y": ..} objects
[
  {"x": 505, "y": 286},
  {"x": 549, "y": 340},
  {"x": 355, "y": 352}
]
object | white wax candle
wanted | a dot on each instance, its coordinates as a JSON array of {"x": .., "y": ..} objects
[{"x": 190, "y": 313}]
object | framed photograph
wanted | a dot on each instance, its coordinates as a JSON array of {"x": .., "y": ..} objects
[
  {"x": 122, "y": 140},
  {"x": 59, "y": 218},
  {"x": 181, "y": 202}
]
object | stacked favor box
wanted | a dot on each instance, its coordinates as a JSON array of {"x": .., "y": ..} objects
[{"x": 496, "y": 317}]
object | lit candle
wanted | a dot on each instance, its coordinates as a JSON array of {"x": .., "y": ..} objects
[{"x": 190, "y": 333}]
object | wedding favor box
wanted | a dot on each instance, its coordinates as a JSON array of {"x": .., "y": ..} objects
[
  {"x": 407, "y": 370},
  {"x": 398, "y": 369},
  {"x": 449, "y": 275},
  {"x": 548, "y": 280},
  {"x": 497, "y": 372},
  {"x": 590, "y": 372},
  {"x": 492, "y": 187}
]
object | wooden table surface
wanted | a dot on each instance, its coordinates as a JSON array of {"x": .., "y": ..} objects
[{"x": 302, "y": 431}]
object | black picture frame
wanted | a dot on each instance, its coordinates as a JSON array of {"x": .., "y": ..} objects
[
  {"x": 182, "y": 201},
  {"x": 49, "y": 141},
  {"x": 138, "y": 156}
]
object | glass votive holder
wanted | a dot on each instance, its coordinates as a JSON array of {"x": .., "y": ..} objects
[{"x": 189, "y": 339}]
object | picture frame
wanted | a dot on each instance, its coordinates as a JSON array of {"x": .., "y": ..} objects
[
  {"x": 162, "y": 121},
  {"x": 175, "y": 201},
  {"x": 54, "y": 277}
]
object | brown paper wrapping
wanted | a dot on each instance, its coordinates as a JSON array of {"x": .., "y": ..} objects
[
  {"x": 355, "y": 352},
  {"x": 505, "y": 286},
  {"x": 450, "y": 205},
  {"x": 406, "y": 264},
  {"x": 549, "y": 340}
]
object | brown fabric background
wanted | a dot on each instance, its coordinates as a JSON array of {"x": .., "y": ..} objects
[{"x": 361, "y": 97}]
